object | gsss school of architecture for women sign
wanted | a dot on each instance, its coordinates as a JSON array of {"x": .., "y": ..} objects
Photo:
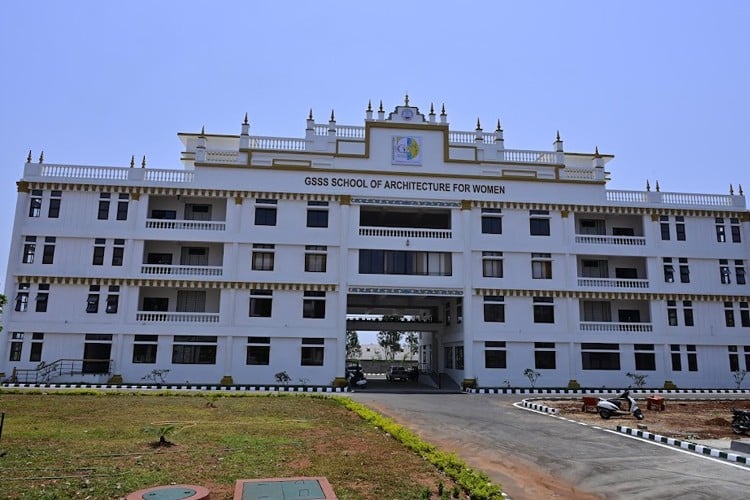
[{"x": 402, "y": 185}]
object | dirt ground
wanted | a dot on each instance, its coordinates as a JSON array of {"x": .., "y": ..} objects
[{"x": 688, "y": 420}]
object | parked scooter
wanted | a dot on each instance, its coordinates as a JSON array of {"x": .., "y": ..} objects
[
  {"x": 355, "y": 375},
  {"x": 741, "y": 421},
  {"x": 621, "y": 405}
]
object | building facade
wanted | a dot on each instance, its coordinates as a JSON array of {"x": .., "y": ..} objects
[{"x": 258, "y": 255}]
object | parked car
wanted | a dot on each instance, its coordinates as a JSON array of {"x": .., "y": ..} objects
[{"x": 397, "y": 373}]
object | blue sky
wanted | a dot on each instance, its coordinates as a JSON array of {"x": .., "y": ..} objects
[{"x": 661, "y": 85}]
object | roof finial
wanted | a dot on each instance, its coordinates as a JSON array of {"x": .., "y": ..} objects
[
  {"x": 143, "y": 162},
  {"x": 245, "y": 122},
  {"x": 203, "y": 130},
  {"x": 741, "y": 193},
  {"x": 442, "y": 111},
  {"x": 558, "y": 136},
  {"x": 479, "y": 125},
  {"x": 132, "y": 161},
  {"x": 648, "y": 186},
  {"x": 41, "y": 157},
  {"x": 369, "y": 105},
  {"x": 333, "y": 118},
  {"x": 406, "y": 99},
  {"x": 432, "y": 109},
  {"x": 596, "y": 151},
  {"x": 499, "y": 128},
  {"x": 28, "y": 158},
  {"x": 731, "y": 189},
  {"x": 380, "y": 109},
  {"x": 657, "y": 187},
  {"x": 309, "y": 117}
]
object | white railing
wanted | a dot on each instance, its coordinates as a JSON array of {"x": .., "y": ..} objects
[
  {"x": 168, "y": 175},
  {"x": 222, "y": 156},
  {"x": 612, "y": 283},
  {"x": 627, "y": 196},
  {"x": 685, "y": 199},
  {"x": 456, "y": 137},
  {"x": 347, "y": 131},
  {"x": 176, "y": 317},
  {"x": 583, "y": 174},
  {"x": 82, "y": 172},
  {"x": 612, "y": 326},
  {"x": 189, "y": 225},
  {"x": 277, "y": 143},
  {"x": 597, "y": 239},
  {"x": 524, "y": 156},
  {"x": 161, "y": 269},
  {"x": 390, "y": 232}
]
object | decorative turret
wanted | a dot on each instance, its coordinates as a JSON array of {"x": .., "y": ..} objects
[
  {"x": 200, "y": 149},
  {"x": 443, "y": 115},
  {"x": 132, "y": 161},
  {"x": 245, "y": 134},
  {"x": 432, "y": 113},
  {"x": 332, "y": 124},
  {"x": 598, "y": 160},
  {"x": 28, "y": 158},
  {"x": 499, "y": 140},
  {"x": 558, "y": 143},
  {"x": 368, "y": 111},
  {"x": 381, "y": 111},
  {"x": 478, "y": 135},
  {"x": 41, "y": 157},
  {"x": 143, "y": 162}
]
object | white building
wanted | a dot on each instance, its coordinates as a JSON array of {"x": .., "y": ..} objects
[{"x": 246, "y": 262}]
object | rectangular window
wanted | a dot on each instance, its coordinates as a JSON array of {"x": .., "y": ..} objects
[
  {"x": 144, "y": 349},
  {"x": 744, "y": 314},
  {"x": 261, "y": 302},
  {"x": 113, "y": 299},
  {"x": 692, "y": 357},
  {"x": 98, "y": 259},
  {"x": 15, "y": 351},
  {"x": 92, "y": 302},
  {"x": 156, "y": 304},
  {"x": 265, "y": 212},
  {"x": 544, "y": 356},
  {"x": 684, "y": 270},
  {"x": 680, "y": 227},
  {"x": 539, "y": 223},
  {"x": 42, "y": 298},
  {"x": 118, "y": 252},
  {"x": 313, "y": 352},
  {"x": 35, "y": 354},
  {"x": 405, "y": 262},
  {"x": 664, "y": 226},
  {"x": 29, "y": 249},
  {"x": 35, "y": 203},
  {"x": 739, "y": 272},
  {"x": 492, "y": 221},
  {"x": 317, "y": 214},
  {"x": 676, "y": 358},
  {"x": 164, "y": 214},
  {"x": 734, "y": 228},
  {"x": 122, "y": 206},
  {"x": 448, "y": 352},
  {"x": 103, "y": 212},
  {"x": 459, "y": 353},
  {"x": 315, "y": 258},
  {"x": 592, "y": 226},
  {"x": 687, "y": 310},
  {"x": 724, "y": 274},
  {"x": 668, "y": 270},
  {"x": 494, "y": 309},
  {"x": 495, "y": 354},
  {"x": 262, "y": 257},
  {"x": 541, "y": 266},
  {"x": 258, "y": 351},
  {"x": 194, "y": 350},
  {"x": 22, "y": 298},
  {"x": 600, "y": 356},
  {"x": 314, "y": 305},
  {"x": 492, "y": 264},
  {"x": 672, "y": 313},
  {"x": 729, "y": 314},
  {"x": 48, "y": 255},
  {"x": 544, "y": 310},
  {"x": 645, "y": 358},
  {"x": 54, "y": 204},
  {"x": 721, "y": 234},
  {"x": 197, "y": 211}
]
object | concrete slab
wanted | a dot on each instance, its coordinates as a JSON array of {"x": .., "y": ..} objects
[{"x": 284, "y": 488}]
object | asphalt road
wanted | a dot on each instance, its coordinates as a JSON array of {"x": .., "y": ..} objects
[{"x": 539, "y": 456}]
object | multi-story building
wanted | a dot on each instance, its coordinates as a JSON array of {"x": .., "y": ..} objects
[{"x": 258, "y": 255}]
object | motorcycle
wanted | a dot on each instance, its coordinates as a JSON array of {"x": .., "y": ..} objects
[
  {"x": 355, "y": 375},
  {"x": 621, "y": 405},
  {"x": 741, "y": 421}
]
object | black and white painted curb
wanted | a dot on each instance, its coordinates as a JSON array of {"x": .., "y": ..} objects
[
  {"x": 182, "y": 387},
  {"x": 578, "y": 392}
]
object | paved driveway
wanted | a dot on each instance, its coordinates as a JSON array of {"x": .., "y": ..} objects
[{"x": 539, "y": 456}]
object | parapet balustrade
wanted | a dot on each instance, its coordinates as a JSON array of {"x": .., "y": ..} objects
[
  {"x": 190, "y": 225},
  {"x": 181, "y": 270},
  {"x": 176, "y": 317},
  {"x": 675, "y": 199},
  {"x": 603, "y": 239},
  {"x": 401, "y": 232},
  {"x": 613, "y": 326},
  {"x": 612, "y": 283}
]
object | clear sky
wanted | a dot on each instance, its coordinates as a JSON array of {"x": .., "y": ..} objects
[{"x": 662, "y": 85}]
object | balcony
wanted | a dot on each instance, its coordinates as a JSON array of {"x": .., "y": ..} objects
[
  {"x": 603, "y": 239},
  {"x": 406, "y": 232},
  {"x": 612, "y": 326},
  {"x": 162, "y": 270},
  {"x": 186, "y": 225},
  {"x": 613, "y": 283},
  {"x": 176, "y": 317}
]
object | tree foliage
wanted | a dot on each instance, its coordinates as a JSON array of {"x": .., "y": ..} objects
[
  {"x": 390, "y": 340},
  {"x": 3, "y": 301},
  {"x": 353, "y": 348}
]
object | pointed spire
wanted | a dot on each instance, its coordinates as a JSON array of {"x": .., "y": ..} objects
[
  {"x": 369, "y": 105},
  {"x": 245, "y": 122},
  {"x": 657, "y": 187},
  {"x": 380, "y": 109},
  {"x": 479, "y": 125},
  {"x": 333, "y": 118},
  {"x": 28, "y": 158},
  {"x": 499, "y": 128},
  {"x": 741, "y": 193},
  {"x": 41, "y": 157},
  {"x": 558, "y": 136},
  {"x": 596, "y": 151},
  {"x": 406, "y": 99},
  {"x": 143, "y": 162},
  {"x": 731, "y": 189},
  {"x": 310, "y": 117},
  {"x": 432, "y": 109},
  {"x": 203, "y": 131},
  {"x": 648, "y": 186},
  {"x": 132, "y": 161},
  {"x": 442, "y": 111}
]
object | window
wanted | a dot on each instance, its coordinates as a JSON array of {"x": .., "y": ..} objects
[
  {"x": 92, "y": 302},
  {"x": 113, "y": 299},
  {"x": 592, "y": 226},
  {"x": 118, "y": 252},
  {"x": 265, "y": 212},
  {"x": 734, "y": 228},
  {"x": 597, "y": 310},
  {"x": 317, "y": 214},
  {"x": 744, "y": 314},
  {"x": 687, "y": 310},
  {"x": 734, "y": 358},
  {"x": 679, "y": 227},
  {"x": 448, "y": 352},
  {"x": 195, "y": 211},
  {"x": 54, "y": 204},
  {"x": 164, "y": 214},
  {"x": 594, "y": 268},
  {"x": 692, "y": 357},
  {"x": 544, "y": 356},
  {"x": 144, "y": 349},
  {"x": 103, "y": 212},
  {"x": 259, "y": 351},
  {"x": 262, "y": 257},
  {"x": 29, "y": 249},
  {"x": 664, "y": 226},
  {"x": 35, "y": 203},
  {"x": 15, "y": 351},
  {"x": 494, "y": 309},
  {"x": 684, "y": 270},
  {"x": 492, "y": 221},
  {"x": 492, "y": 264},
  {"x": 672, "y": 313},
  {"x": 261, "y": 303},
  {"x": 459, "y": 353},
  {"x": 156, "y": 304},
  {"x": 314, "y": 305},
  {"x": 539, "y": 223},
  {"x": 739, "y": 272},
  {"x": 22, "y": 298},
  {"x": 48, "y": 255},
  {"x": 42, "y": 297},
  {"x": 35, "y": 354},
  {"x": 668, "y": 270},
  {"x": 541, "y": 266},
  {"x": 721, "y": 235},
  {"x": 544, "y": 310},
  {"x": 312, "y": 352},
  {"x": 98, "y": 259},
  {"x": 194, "y": 350},
  {"x": 677, "y": 356},
  {"x": 645, "y": 358},
  {"x": 600, "y": 356},
  {"x": 315, "y": 258},
  {"x": 405, "y": 262},
  {"x": 724, "y": 274},
  {"x": 495, "y": 354},
  {"x": 729, "y": 314},
  {"x": 122, "y": 206}
]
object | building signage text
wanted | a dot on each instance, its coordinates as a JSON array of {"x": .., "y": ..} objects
[{"x": 406, "y": 185}]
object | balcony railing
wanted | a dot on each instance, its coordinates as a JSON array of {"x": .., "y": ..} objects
[
  {"x": 405, "y": 232},
  {"x": 612, "y": 326},
  {"x": 612, "y": 283},
  {"x": 161, "y": 270},
  {"x": 186, "y": 225},
  {"x": 603, "y": 239},
  {"x": 176, "y": 317}
]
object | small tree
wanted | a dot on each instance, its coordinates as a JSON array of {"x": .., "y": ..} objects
[
  {"x": 353, "y": 348},
  {"x": 532, "y": 375},
  {"x": 411, "y": 342},
  {"x": 390, "y": 340},
  {"x": 739, "y": 376},
  {"x": 162, "y": 432},
  {"x": 282, "y": 378},
  {"x": 639, "y": 381},
  {"x": 156, "y": 376},
  {"x": 3, "y": 301}
]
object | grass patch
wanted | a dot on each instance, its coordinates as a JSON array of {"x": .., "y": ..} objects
[{"x": 90, "y": 444}]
